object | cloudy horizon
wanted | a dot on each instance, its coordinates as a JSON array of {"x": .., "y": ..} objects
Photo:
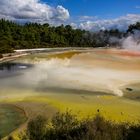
[{"x": 42, "y": 11}]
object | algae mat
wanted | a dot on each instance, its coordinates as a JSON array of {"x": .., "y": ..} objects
[{"x": 11, "y": 118}]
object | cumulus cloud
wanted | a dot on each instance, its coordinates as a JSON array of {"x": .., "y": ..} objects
[
  {"x": 38, "y": 11},
  {"x": 32, "y": 10},
  {"x": 121, "y": 23}
]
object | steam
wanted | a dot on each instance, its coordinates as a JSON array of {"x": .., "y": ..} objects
[
  {"x": 76, "y": 73},
  {"x": 132, "y": 42},
  {"x": 39, "y": 74},
  {"x": 73, "y": 74}
]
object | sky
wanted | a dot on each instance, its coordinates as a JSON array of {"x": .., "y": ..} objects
[{"x": 85, "y": 14}]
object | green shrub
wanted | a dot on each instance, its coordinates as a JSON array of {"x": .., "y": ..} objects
[
  {"x": 100, "y": 129},
  {"x": 65, "y": 126},
  {"x": 36, "y": 128},
  {"x": 134, "y": 133},
  {"x": 10, "y": 138}
]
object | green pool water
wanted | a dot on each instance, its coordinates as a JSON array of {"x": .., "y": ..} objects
[{"x": 11, "y": 118}]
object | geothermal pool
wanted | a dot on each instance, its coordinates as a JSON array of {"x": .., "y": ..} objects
[
  {"x": 82, "y": 81},
  {"x": 98, "y": 70}
]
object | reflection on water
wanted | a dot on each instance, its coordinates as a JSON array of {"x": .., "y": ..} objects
[{"x": 8, "y": 68}]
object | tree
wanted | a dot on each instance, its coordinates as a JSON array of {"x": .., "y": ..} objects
[
  {"x": 133, "y": 27},
  {"x": 34, "y": 35}
]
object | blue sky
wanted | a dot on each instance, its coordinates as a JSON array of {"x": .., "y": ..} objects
[
  {"x": 101, "y": 8},
  {"x": 85, "y": 14}
]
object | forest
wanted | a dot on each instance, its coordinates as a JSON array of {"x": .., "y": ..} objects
[{"x": 34, "y": 35}]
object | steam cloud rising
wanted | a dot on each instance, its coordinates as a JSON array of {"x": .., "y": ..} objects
[{"x": 132, "y": 42}]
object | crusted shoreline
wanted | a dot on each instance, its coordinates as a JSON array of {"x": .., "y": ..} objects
[{"x": 10, "y": 57}]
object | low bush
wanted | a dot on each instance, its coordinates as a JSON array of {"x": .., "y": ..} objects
[{"x": 65, "y": 126}]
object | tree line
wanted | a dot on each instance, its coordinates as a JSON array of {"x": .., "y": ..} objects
[{"x": 34, "y": 35}]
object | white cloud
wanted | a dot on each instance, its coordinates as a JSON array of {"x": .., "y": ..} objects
[
  {"x": 32, "y": 10},
  {"x": 121, "y": 23},
  {"x": 74, "y": 25},
  {"x": 85, "y": 18},
  {"x": 62, "y": 13},
  {"x": 37, "y": 11}
]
